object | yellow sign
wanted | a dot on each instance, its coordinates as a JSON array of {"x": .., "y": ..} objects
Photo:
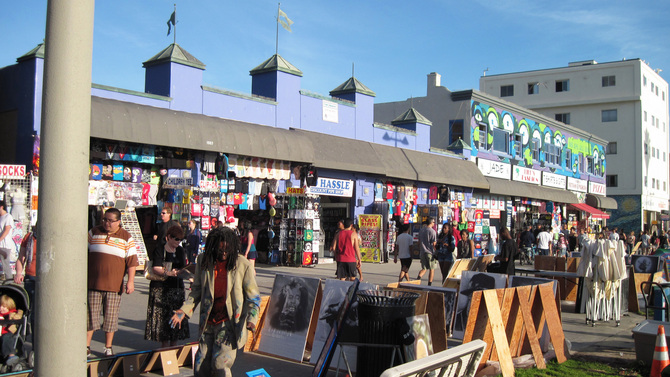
[{"x": 295, "y": 191}]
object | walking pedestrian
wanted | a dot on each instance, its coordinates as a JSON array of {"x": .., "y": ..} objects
[{"x": 427, "y": 241}]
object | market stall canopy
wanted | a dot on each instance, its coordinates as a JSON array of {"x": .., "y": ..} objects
[
  {"x": 594, "y": 212},
  {"x": 525, "y": 190},
  {"x": 440, "y": 169},
  {"x": 131, "y": 122},
  {"x": 395, "y": 162},
  {"x": 339, "y": 153},
  {"x": 598, "y": 201}
]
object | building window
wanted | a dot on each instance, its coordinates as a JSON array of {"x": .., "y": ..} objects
[
  {"x": 644, "y": 80},
  {"x": 455, "y": 130},
  {"x": 609, "y": 81},
  {"x": 482, "y": 140},
  {"x": 506, "y": 90},
  {"x": 518, "y": 145},
  {"x": 580, "y": 163},
  {"x": 535, "y": 145},
  {"x": 552, "y": 154},
  {"x": 609, "y": 115},
  {"x": 563, "y": 117},
  {"x": 657, "y": 123},
  {"x": 611, "y": 147},
  {"x": 653, "y": 183},
  {"x": 612, "y": 180},
  {"x": 645, "y": 116},
  {"x": 653, "y": 121},
  {"x": 653, "y": 152},
  {"x": 590, "y": 168},
  {"x": 646, "y": 149},
  {"x": 568, "y": 159},
  {"x": 500, "y": 140},
  {"x": 663, "y": 96},
  {"x": 657, "y": 91},
  {"x": 663, "y": 185},
  {"x": 533, "y": 88},
  {"x": 652, "y": 87},
  {"x": 562, "y": 85}
]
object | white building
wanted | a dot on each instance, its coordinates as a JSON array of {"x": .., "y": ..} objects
[{"x": 624, "y": 102}]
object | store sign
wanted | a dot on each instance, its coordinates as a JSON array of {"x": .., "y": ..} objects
[
  {"x": 332, "y": 187},
  {"x": 494, "y": 169},
  {"x": 295, "y": 190},
  {"x": 178, "y": 182},
  {"x": 575, "y": 184},
  {"x": 330, "y": 111},
  {"x": 597, "y": 188},
  {"x": 521, "y": 174},
  {"x": 13, "y": 171},
  {"x": 650, "y": 203},
  {"x": 554, "y": 180}
]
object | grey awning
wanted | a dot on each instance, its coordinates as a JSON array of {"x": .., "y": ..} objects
[
  {"x": 435, "y": 168},
  {"x": 130, "y": 122},
  {"x": 395, "y": 162},
  {"x": 339, "y": 153},
  {"x": 525, "y": 190},
  {"x": 598, "y": 201}
]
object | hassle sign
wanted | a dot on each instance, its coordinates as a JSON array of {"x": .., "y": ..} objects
[
  {"x": 12, "y": 171},
  {"x": 332, "y": 187}
]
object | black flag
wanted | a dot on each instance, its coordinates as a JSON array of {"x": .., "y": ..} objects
[{"x": 171, "y": 21}]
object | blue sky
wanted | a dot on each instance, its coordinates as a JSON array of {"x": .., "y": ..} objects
[{"x": 393, "y": 44}]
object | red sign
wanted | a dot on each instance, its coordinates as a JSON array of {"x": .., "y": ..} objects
[{"x": 12, "y": 171}]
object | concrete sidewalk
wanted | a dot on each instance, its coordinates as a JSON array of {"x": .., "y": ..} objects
[{"x": 604, "y": 342}]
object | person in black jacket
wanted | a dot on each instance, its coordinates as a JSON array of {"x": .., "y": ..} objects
[{"x": 508, "y": 251}]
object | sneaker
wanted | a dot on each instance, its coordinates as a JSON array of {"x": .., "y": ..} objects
[
  {"x": 88, "y": 352},
  {"x": 108, "y": 351},
  {"x": 12, "y": 360}
]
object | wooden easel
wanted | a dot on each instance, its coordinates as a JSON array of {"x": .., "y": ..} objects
[{"x": 509, "y": 321}]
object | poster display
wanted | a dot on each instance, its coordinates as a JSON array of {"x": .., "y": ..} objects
[
  {"x": 371, "y": 240},
  {"x": 288, "y": 316}
]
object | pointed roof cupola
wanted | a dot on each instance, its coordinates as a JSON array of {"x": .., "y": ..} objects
[
  {"x": 458, "y": 145},
  {"x": 276, "y": 63},
  {"x": 352, "y": 85},
  {"x": 174, "y": 54},
  {"x": 411, "y": 116},
  {"x": 37, "y": 52}
]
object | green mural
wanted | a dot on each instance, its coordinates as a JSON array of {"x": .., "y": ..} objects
[{"x": 532, "y": 144}]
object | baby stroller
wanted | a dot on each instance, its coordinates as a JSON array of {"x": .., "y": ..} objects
[{"x": 20, "y": 297}]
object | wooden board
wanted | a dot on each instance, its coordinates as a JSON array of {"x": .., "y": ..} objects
[
  {"x": 571, "y": 284},
  {"x": 254, "y": 339},
  {"x": 545, "y": 262}
]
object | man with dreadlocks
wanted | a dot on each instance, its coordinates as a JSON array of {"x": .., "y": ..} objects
[{"x": 225, "y": 286}]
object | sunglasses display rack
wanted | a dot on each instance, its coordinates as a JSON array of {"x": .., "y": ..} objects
[{"x": 132, "y": 225}]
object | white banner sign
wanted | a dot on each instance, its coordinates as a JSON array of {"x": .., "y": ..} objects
[
  {"x": 521, "y": 174},
  {"x": 13, "y": 171},
  {"x": 576, "y": 184},
  {"x": 554, "y": 180},
  {"x": 597, "y": 188},
  {"x": 330, "y": 111},
  {"x": 332, "y": 187},
  {"x": 494, "y": 168},
  {"x": 650, "y": 203}
]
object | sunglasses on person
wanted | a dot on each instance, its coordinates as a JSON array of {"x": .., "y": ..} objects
[
  {"x": 176, "y": 239},
  {"x": 106, "y": 220}
]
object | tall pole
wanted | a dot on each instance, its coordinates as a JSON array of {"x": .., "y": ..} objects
[
  {"x": 277, "y": 33},
  {"x": 62, "y": 247},
  {"x": 175, "y": 24}
]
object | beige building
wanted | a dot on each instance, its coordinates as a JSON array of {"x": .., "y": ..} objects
[{"x": 624, "y": 102}]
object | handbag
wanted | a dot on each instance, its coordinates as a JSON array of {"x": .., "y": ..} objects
[{"x": 149, "y": 273}]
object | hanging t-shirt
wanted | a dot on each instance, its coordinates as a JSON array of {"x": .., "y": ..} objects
[
  {"x": 221, "y": 163},
  {"x": 432, "y": 193},
  {"x": 243, "y": 201}
]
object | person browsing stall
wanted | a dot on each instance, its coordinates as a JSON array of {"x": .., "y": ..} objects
[
  {"x": 111, "y": 255},
  {"x": 225, "y": 288},
  {"x": 402, "y": 251}
]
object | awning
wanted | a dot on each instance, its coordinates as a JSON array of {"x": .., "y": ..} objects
[
  {"x": 395, "y": 162},
  {"x": 435, "y": 168},
  {"x": 130, "y": 122},
  {"x": 525, "y": 190},
  {"x": 594, "y": 212},
  {"x": 339, "y": 153},
  {"x": 598, "y": 201}
]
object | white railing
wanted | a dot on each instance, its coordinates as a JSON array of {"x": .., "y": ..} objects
[{"x": 460, "y": 361}]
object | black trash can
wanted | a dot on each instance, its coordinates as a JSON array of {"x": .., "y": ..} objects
[{"x": 379, "y": 313}]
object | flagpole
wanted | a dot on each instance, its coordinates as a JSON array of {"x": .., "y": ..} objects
[
  {"x": 175, "y": 24},
  {"x": 277, "y": 34}
]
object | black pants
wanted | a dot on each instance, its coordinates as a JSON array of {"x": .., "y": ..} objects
[{"x": 7, "y": 345}]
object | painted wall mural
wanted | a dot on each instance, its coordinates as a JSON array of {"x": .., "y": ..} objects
[
  {"x": 628, "y": 215},
  {"x": 500, "y": 135}
]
